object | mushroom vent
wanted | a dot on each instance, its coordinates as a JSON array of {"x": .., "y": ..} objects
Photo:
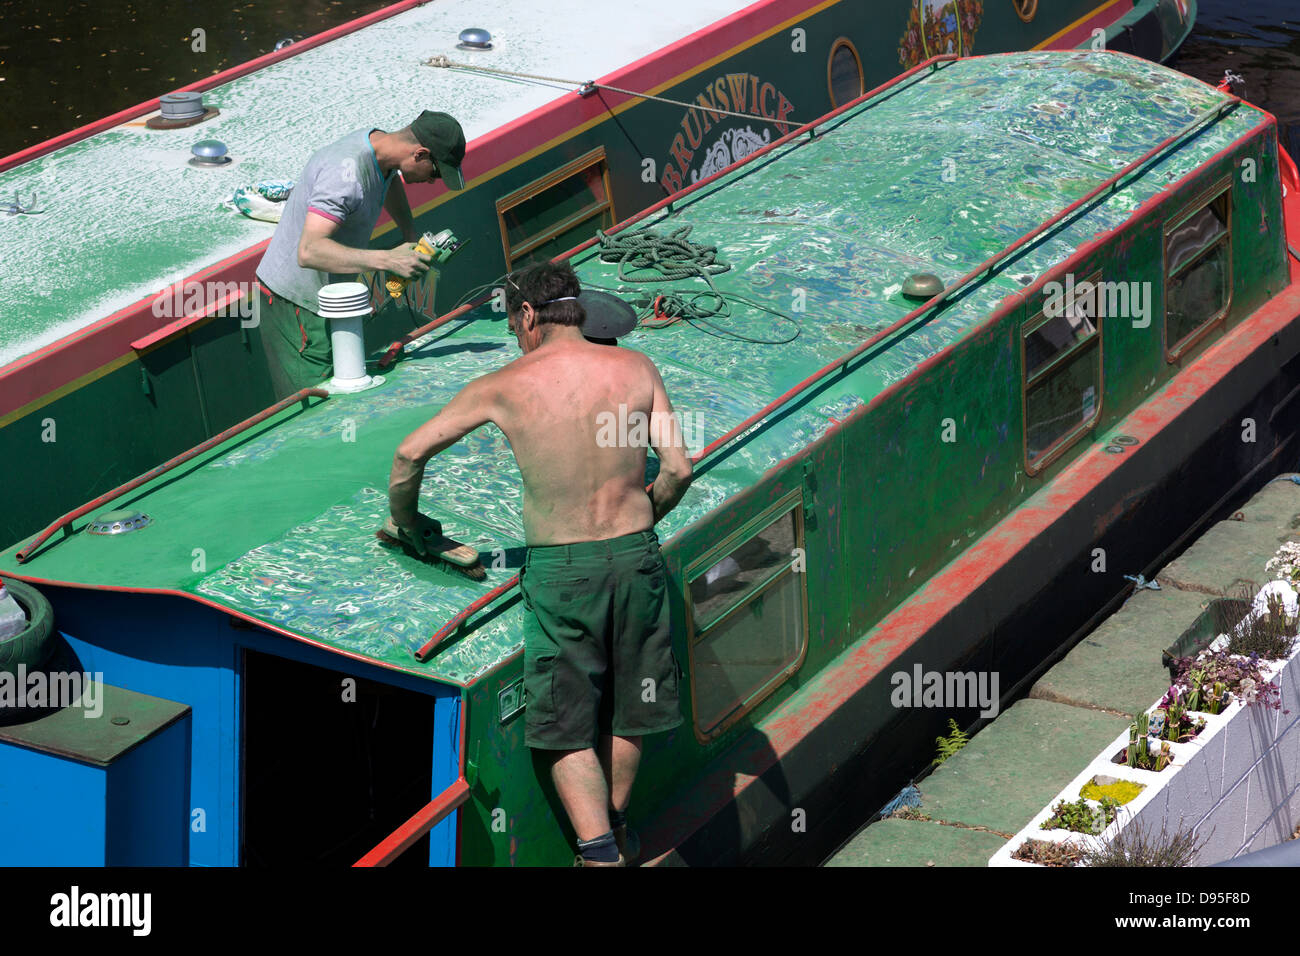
[{"x": 474, "y": 39}]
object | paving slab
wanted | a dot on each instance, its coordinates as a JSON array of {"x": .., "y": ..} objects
[
  {"x": 1012, "y": 767},
  {"x": 1234, "y": 551},
  {"x": 1117, "y": 667},
  {"x": 917, "y": 843}
]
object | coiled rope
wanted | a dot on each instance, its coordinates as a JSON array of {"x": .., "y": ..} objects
[
  {"x": 447, "y": 63},
  {"x": 673, "y": 258}
]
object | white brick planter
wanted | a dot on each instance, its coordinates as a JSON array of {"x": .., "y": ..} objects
[{"x": 1237, "y": 784}]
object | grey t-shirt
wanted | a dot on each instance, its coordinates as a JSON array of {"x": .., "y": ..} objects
[{"x": 341, "y": 182}]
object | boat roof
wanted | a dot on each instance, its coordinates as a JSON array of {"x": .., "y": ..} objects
[
  {"x": 285, "y": 513},
  {"x": 126, "y": 215}
]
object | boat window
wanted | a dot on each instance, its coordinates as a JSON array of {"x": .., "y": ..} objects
[
  {"x": 844, "y": 72},
  {"x": 557, "y": 212},
  {"x": 747, "y": 608},
  {"x": 1198, "y": 273},
  {"x": 1062, "y": 362}
]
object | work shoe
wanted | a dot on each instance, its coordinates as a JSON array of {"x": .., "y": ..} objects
[
  {"x": 579, "y": 860},
  {"x": 629, "y": 844}
]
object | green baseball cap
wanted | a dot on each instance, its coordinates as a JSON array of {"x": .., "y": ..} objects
[{"x": 442, "y": 136}]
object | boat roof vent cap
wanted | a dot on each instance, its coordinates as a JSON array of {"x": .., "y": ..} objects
[
  {"x": 922, "y": 285},
  {"x": 474, "y": 38},
  {"x": 181, "y": 106},
  {"x": 209, "y": 152},
  {"x": 122, "y": 521}
]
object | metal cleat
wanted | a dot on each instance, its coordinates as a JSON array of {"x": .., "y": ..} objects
[{"x": 16, "y": 208}]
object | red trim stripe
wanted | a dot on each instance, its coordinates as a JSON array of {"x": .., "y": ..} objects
[
  {"x": 323, "y": 214},
  {"x": 1083, "y": 32}
]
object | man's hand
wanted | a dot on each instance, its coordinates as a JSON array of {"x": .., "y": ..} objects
[
  {"x": 418, "y": 535},
  {"x": 472, "y": 406},
  {"x": 406, "y": 261},
  {"x": 675, "y": 469}
]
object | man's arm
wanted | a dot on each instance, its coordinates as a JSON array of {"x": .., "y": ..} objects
[
  {"x": 316, "y": 250},
  {"x": 675, "y": 468},
  {"x": 399, "y": 207},
  {"x": 473, "y": 405}
]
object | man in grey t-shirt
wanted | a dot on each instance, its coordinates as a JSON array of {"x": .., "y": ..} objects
[{"x": 324, "y": 235}]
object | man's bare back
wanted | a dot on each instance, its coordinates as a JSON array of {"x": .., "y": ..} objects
[
  {"x": 579, "y": 418},
  {"x": 554, "y": 405}
]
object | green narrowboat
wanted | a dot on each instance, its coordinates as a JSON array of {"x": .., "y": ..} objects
[
  {"x": 988, "y": 340},
  {"x": 131, "y": 337}
]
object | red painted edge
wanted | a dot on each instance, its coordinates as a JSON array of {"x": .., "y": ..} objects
[
  {"x": 424, "y": 820},
  {"x": 207, "y": 83},
  {"x": 243, "y": 616}
]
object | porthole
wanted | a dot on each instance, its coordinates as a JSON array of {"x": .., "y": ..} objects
[{"x": 844, "y": 73}]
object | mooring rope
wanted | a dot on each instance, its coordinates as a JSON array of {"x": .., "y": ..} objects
[
  {"x": 447, "y": 63},
  {"x": 672, "y": 258}
]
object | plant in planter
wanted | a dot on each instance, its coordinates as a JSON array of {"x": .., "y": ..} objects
[
  {"x": 1145, "y": 749},
  {"x": 1101, "y": 787},
  {"x": 1047, "y": 853},
  {"x": 1178, "y": 727},
  {"x": 1081, "y": 816},
  {"x": 1286, "y": 561},
  {"x": 1138, "y": 845},
  {"x": 1210, "y": 679},
  {"x": 1270, "y": 629}
]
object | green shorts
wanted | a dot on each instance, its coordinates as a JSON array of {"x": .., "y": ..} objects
[
  {"x": 296, "y": 342},
  {"x": 598, "y": 652}
]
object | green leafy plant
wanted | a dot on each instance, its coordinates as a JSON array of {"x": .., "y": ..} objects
[
  {"x": 1081, "y": 817},
  {"x": 952, "y": 743},
  {"x": 1138, "y": 753}
]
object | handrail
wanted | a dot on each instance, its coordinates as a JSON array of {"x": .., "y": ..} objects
[
  {"x": 300, "y": 396},
  {"x": 901, "y": 325},
  {"x": 424, "y": 820}
]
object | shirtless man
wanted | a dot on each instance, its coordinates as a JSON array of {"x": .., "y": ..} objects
[{"x": 593, "y": 555}]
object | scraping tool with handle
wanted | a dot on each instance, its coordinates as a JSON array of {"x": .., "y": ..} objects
[{"x": 434, "y": 546}]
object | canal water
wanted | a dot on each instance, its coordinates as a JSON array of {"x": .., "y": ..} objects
[
  {"x": 65, "y": 63},
  {"x": 1260, "y": 40}
]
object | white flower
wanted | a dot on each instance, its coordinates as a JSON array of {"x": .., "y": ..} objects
[{"x": 1247, "y": 689}]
